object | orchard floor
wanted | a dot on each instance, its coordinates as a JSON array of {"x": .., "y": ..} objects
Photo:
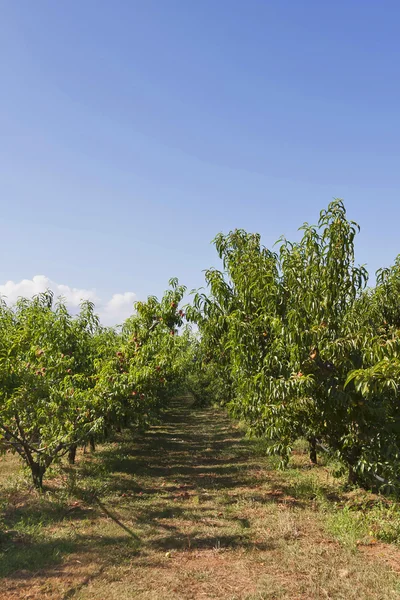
[{"x": 190, "y": 510}]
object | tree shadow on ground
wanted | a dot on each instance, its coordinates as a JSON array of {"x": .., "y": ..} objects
[
  {"x": 170, "y": 488},
  {"x": 21, "y": 556}
]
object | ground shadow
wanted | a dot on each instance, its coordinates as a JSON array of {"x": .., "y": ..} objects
[{"x": 182, "y": 474}]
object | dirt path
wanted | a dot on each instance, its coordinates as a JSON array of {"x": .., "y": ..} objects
[{"x": 189, "y": 511}]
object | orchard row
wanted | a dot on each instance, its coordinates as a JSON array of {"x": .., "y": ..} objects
[
  {"x": 298, "y": 346},
  {"x": 292, "y": 341},
  {"x": 66, "y": 381}
]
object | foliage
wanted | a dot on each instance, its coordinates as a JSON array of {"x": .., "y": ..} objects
[
  {"x": 290, "y": 340},
  {"x": 303, "y": 348},
  {"x": 47, "y": 377},
  {"x": 64, "y": 380}
]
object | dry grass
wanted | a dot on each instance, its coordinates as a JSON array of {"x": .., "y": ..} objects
[{"x": 189, "y": 511}]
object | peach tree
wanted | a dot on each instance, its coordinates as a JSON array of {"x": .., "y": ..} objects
[
  {"x": 142, "y": 368},
  {"x": 47, "y": 376},
  {"x": 376, "y": 379},
  {"x": 300, "y": 336}
]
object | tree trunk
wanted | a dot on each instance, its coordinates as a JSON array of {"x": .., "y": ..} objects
[
  {"x": 353, "y": 456},
  {"x": 352, "y": 478},
  {"x": 92, "y": 444},
  {"x": 37, "y": 471},
  {"x": 313, "y": 450},
  {"x": 72, "y": 454}
]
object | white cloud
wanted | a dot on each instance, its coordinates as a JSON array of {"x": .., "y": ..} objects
[
  {"x": 111, "y": 311},
  {"x": 118, "y": 308}
]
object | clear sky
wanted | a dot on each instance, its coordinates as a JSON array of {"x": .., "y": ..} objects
[{"x": 133, "y": 131}]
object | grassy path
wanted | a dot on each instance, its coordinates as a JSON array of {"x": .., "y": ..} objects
[{"x": 186, "y": 511}]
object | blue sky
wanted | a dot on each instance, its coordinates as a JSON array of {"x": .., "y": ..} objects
[{"x": 132, "y": 132}]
